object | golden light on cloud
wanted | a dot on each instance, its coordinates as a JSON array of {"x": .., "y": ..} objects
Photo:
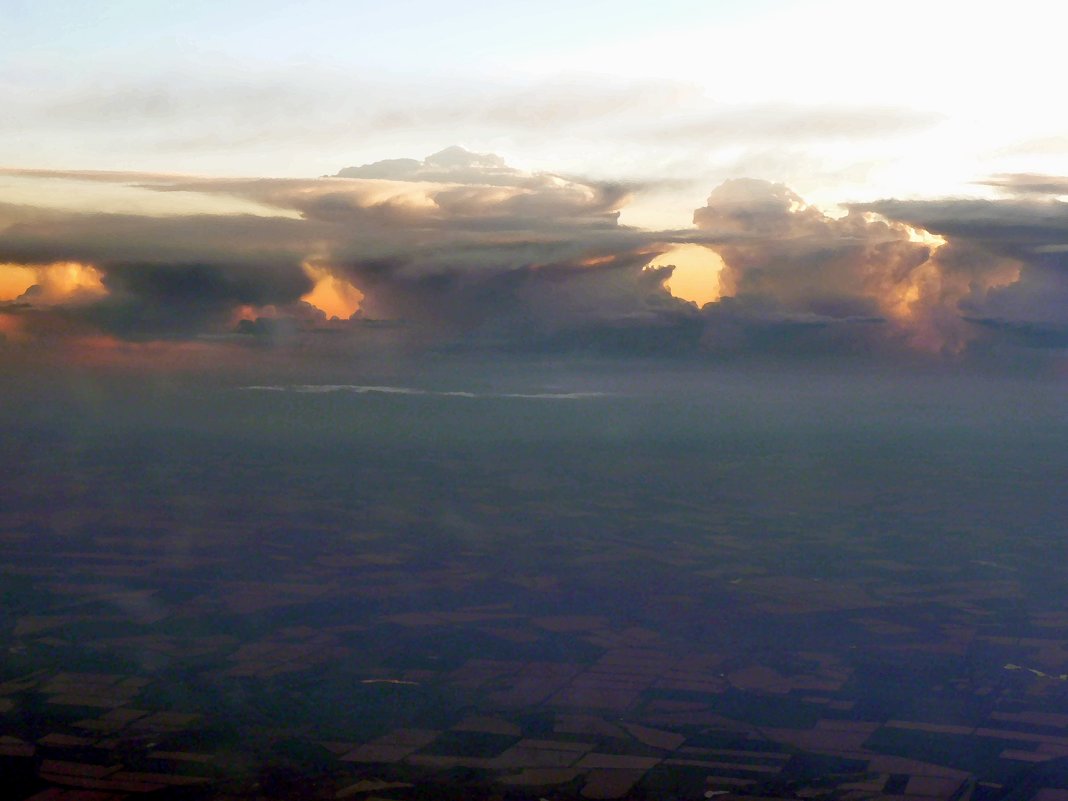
[
  {"x": 333, "y": 296},
  {"x": 901, "y": 301},
  {"x": 50, "y": 283},
  {"x": 401, "y": 195},
  {"x": 696, "y": 274},
  {"x": 915, "y": 302},
  {"x": 934, "y": 241},
  {"x": 15, "y": 279},
  {"x": 597, "y": 261}
]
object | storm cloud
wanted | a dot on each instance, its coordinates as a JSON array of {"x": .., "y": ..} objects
[
  {"x": 794, "y": 275},
  {"x": 165, "y": 276},
  {"x": 457, "y": 246},
  {"x": 1012, "y": 256},
  {"x": 461, "y": 250}
]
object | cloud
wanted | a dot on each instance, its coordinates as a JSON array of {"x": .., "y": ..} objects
[
  {"x": 1011, "y": 254},
  {"x": 790, "y": 124},
  {"x": 163, "y": 277},
  {"x": 452, "y": 165},
  {"x": 451, "y": 189},
  {"x": 183, "y": 299},
  {"x": 613, "y": 305},
  {"x": 1011, "y": 226},
  {"x": 792, "y": 272},
  {"x": 461, "y": 250},
  {"x": 463, "y": 246},
  {"x": 1052, "y": 145},
  {"x": 44, "y": 236},
  {"x": 641, "y": 130},
  {"x": 204, "y": 109},
  {"x": 946, "y": 275},
  {"x": 459, "y": 245},
  {"x": 1029, "y": 184}
]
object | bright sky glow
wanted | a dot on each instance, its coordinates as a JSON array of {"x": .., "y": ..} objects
[{"x": 853, "y": 100}]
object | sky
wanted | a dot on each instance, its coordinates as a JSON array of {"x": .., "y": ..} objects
[{"x": 670, "y": 179}]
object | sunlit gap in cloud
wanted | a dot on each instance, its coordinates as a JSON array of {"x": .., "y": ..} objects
[
  {"x": 50, "y": 283},
  {"x": 696, "y": 274},
  {"x": 333, "y": 296}
]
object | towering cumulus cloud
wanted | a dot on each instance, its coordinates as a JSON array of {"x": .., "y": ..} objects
[
  {"x": 494, "y": 255},
  {"x": 887, "y": 275},
  {"x": 164, "y": 277},
  {"x": 459, "y": 248},
  {"x": 796, "y": 277},
  {"x": 1011, "y": 254},
  {"x": 462, "y": 250}
]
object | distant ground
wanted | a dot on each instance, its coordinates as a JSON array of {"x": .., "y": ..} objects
[{"x": 553, "y": 583}]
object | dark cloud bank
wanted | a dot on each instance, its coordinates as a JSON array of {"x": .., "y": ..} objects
[{"x": 462, "y": 252}]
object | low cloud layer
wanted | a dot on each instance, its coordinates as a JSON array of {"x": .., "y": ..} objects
[{"x": 460, "y": 250}]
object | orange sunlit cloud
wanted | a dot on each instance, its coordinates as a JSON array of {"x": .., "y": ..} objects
[
  {"x": 55, "y": 283},
  {"x": 334, "y": 296},
  {"x": 900, "y": 301},
  {"x": 597, "y": 261},
  {"x": 696, "y": 274},
  {"x": 15, "y": 279}
]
